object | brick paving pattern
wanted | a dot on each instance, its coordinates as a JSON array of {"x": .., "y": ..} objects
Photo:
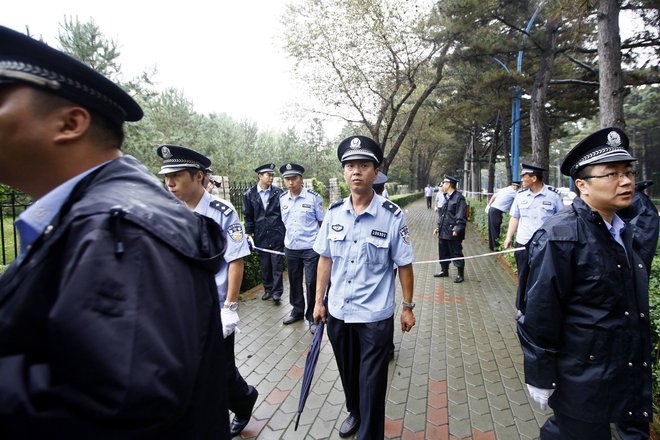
[{"x": 457, "y": 375}]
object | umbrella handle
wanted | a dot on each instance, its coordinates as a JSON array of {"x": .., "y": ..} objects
[{"x": 297, "y": 421}]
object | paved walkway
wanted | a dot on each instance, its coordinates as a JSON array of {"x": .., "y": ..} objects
[{"x": 457, "y": 375}]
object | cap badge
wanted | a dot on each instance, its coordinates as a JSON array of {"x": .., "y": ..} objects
[
  {"x": 167, "y": 154},
  {"x": 288, "y": 166},
  {"x": 355, "y": 144},
  {"x": 613, "y": 139}
]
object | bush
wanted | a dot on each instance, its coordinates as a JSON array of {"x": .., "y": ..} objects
[
  {"x": 479, "y": 218},
  {"x": 251, "y": 272},
  {"x": 320, "y": 188},
  {"x": 405, "y": 199}
]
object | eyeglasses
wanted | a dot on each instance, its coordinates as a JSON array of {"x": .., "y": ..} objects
[{"x": 613, "y": 176}]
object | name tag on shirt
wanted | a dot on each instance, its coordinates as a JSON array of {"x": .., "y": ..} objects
[{"x": 379, "y": 234}]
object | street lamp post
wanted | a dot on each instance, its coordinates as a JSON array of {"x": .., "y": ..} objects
[{"x": 515, "y": 106}]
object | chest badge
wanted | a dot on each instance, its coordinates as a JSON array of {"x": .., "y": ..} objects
[
  {"x": 337, "y": 228},
  {"x": 379, "y": 234}
]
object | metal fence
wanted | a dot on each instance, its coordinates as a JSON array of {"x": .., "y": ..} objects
[
  {"x": 11, "y": 205},
  {"x": 236, "y": 192}
]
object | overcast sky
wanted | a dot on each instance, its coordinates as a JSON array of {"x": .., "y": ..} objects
[{"x": 225, "y": 55}]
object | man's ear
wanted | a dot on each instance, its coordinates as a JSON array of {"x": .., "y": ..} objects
[{"x": 70, "y": 123}]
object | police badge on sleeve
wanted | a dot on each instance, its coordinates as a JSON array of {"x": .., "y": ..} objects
[
  {"x": 405, "y": 234},
  {"x": 235, "y": 232}
]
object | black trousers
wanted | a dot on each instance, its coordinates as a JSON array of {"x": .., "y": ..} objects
[
  {"x": 271, "y": 272},
  {"x": 523, "y": 271},
  {"x": 561, "y": 427},
  {"x": 428, "y": 202},
  {"x": 299, "y": 262},
  {"x": 362, "y": 353},
  {"x": 450, "y": 249},
  {"x": 237, "y": 388},
  {"x": 494, "y": 227}
]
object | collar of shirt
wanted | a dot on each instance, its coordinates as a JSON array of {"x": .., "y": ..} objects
[
  {"x": 616, "y": 228},
  {"x": 204, "y": 204},
  {"x": 32, "y": 222},
  {"x": 302, "y": 195},
  {"x": 371, "y": 209}
]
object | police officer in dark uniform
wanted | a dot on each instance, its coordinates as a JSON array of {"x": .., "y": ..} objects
[
  {"x": 585, "y": 330},
  {"x": 185, "y": 173},
  {"x": 263, "y": 222},
  {"x": 452, "y": 218},
  {"x": 109, "y": 318},
  {"x": 643, "y": 215}
]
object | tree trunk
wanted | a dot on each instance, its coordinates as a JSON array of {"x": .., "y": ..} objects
[
  {"x": 540, "y": 130},
  {"x": 494, "y": 148},
  {"x": 610, "y": 76}
]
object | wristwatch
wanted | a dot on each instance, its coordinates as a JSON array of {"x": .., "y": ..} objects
[
  {"x": 410, "y": 305},
  {"x": 233, "y": 306}
]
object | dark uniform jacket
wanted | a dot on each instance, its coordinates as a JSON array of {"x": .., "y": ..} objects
[
  {"x": 110, "y": 325},
  {"x": 585, "y": 329},
  {"x": 643, "y": 214},
  {"x": 452, "y": 217},
  {"x": 265, "y": 224}
]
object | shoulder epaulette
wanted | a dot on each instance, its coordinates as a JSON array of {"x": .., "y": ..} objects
[
  {"x": 284, "y": 193},
  {"x": 552, "y": 188},
  {"x": 337, "y": 203},
  {"x": 394, "y": 209},
  {"x": 523, "y": 190},
  {"x": 311, "y": 191},
  {"x": 223, "y": 208}
]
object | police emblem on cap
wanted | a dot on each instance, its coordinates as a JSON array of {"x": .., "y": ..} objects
[
  {"x": 355, "y": 144},
  {"x": 613, "y": 139},
  {"x": 288, "y": 166},
  {"x": 167, "y": 154}
]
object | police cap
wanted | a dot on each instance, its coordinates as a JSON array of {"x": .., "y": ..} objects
[
  {"x": 528, "y": 168},
  {"x": 450, "y": 179},
  {"x": 27, "y": 61},
  {"x": 359, "y": 148},
  {"x": 177, "y": 158},
  {"x": 292, "y": 169},
  {"x": 266, "y": 168},
  {"x": 604, "y": 146}
]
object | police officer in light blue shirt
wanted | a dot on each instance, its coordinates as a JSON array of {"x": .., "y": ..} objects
[
  {"x": 186, "y": 175},
  {"x": 531, "y": 207},
  {"x": 302, "y": 214},
  {"x": 361, "y": 239},
  {"x": 498, "y": 204}
]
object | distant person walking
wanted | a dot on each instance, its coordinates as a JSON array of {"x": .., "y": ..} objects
[{"x": 428, "y": 193}]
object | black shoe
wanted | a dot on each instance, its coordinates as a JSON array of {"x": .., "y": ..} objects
[
  {"x": 349, "y": 426},
  {"x": 291, "y": 319},
  {"x": 266, "y": 296},
  {"x": 239, "y": 423},
  {"x": 458, "y": 279},
  {"x": 277, "y": 297},
  {"x": 442, "y": 273}
]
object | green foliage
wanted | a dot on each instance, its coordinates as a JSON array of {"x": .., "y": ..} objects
[
  {"x": 320, "y": 188},
  {"x": 405, "y": 199},
  {"x": 251, "y": 271},
  {"x": 343, "y": 187},
  {"x": 479, "y": 218}
]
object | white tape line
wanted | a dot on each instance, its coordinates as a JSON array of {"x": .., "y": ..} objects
[
  {"x": 270, "y": 251},
  {"x": 447, "y": 260}
]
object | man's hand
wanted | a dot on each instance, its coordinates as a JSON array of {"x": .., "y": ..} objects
[
  {"x": 454, "y": 234},
  {"x": 436, "y": 231},
  {"x": 408, "y": 320},
  {"x": 229, "y": 320},
  {"x": 507, "y": 243},
  {"x": 540, "y": 396},
  {"x": 319, "y": 313}
]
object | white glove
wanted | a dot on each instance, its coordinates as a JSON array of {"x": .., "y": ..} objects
[
  {"x": 540, "y": 396},
  {"x": 229, "y": 321},
  {"x": 487, "y": 208}
]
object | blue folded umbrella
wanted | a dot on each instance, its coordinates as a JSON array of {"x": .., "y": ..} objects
[{"x": 310, "y": 366}]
